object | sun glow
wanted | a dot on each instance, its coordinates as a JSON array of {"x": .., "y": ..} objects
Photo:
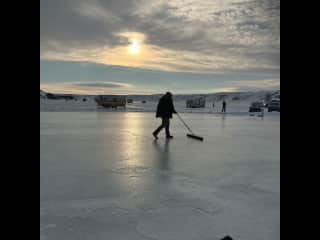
[{"x": 134, "y": 47}]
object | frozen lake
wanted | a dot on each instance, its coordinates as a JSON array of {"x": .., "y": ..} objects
[{"x": 102, "y": 176}]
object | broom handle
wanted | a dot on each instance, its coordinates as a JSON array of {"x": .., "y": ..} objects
[{"x": 184, "y": 123}]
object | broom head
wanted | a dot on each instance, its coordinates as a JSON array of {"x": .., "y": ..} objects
[{"x": 195, "y": 137}]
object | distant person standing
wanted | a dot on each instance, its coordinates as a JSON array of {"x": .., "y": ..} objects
[
  {"x": 165, "y": 109},
  {"x": 224, "y": 105}
]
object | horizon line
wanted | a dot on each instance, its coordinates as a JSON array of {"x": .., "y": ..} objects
[{"x": 154, "y": 94}]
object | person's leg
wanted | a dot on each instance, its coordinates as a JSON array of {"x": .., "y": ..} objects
[
  {"x": 167, "y": 127},
  {"x": 155, "y": 133}
]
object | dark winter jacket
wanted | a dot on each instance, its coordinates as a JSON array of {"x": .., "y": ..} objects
[
  {"x": 165, "y": 107},
  {"x": 224, "y": 104}
]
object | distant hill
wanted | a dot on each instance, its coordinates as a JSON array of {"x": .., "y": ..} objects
[
  {"x": 56, "y": 96},
  {"x": 42, "y": 94}
]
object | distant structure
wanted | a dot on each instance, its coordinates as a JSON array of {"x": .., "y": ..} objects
[
  {"x": 196, "y": 102},
  {"x": 111, "y": 101},
  {"x": 220, "y": 97},
  {"x": 236, "y": 98}
]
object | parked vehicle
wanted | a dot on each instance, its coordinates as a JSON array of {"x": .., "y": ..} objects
[
  {"x": 256, "y": 106},
  {"x": 274, "y": 105},
  {"x": 112, "y": 101}
]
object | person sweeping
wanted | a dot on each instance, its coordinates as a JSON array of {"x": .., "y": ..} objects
[{"x": 165, "y": 109}]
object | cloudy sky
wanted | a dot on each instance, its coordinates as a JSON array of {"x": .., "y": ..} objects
[{"x": 151, "y": 46}]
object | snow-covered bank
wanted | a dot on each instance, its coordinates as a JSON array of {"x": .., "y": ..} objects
[{"x": 236, "y": 103}]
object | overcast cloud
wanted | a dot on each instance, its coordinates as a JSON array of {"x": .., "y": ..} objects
[{"x": 182, "y": 35}]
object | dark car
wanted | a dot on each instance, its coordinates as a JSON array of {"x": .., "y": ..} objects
[
  {"x": 256, "y": 106},
  {"x": 274, "y": 105}
]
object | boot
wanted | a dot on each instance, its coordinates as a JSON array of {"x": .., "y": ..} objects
[{"x": 155, "y": 135}]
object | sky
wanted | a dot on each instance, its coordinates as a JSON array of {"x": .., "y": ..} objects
[{"x": 152, "y": 46}]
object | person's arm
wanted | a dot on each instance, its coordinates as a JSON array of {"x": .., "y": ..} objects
[{"x": 172, "y": 107}]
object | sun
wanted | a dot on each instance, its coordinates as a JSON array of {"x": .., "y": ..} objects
[{"x": 134, "y": 47}]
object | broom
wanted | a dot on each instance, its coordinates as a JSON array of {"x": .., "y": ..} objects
[{"x": 192, "y": 135}]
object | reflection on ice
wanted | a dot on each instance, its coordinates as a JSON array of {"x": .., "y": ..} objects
[
  {"x": 102, "y": 176},
  {"x": 162, "y": 154}
]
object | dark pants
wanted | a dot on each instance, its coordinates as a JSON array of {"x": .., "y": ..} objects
[
  {"x": 165, "y": 124},
  {"x": 223, "y": 109}
]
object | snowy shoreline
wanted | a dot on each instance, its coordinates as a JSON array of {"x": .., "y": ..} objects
[
  {"x": 237, "y": 103},
  {"x": 234, "y": 108}
]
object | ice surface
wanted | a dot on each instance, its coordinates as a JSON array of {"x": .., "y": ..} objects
[{"x": 102, "y": 176}]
